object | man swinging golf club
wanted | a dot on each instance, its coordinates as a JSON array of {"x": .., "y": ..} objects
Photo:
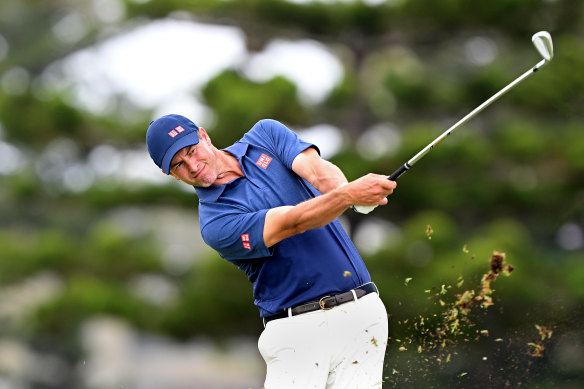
[{"x": 268, "y": 204}]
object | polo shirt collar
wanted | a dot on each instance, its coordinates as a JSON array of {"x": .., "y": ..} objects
[{"x": 213, "y": 192}]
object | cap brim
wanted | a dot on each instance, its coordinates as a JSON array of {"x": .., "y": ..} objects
[{"x": 185, "y": 141}]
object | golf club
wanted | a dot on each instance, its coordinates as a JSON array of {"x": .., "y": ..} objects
[{"x": 542, "y": 42}]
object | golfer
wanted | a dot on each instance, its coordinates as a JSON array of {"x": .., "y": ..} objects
[{"x": 268, "y": 204}]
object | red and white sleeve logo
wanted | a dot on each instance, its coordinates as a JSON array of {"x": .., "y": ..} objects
[
  {"x": 245, "y": 240},
  {"x": 264, "y": 161}
]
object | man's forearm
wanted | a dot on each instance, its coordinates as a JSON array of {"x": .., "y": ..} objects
[
  {"x": 319, "y": 211},
  {"x": 283, "y": 222},
  {"x": 337, "y": 196}
]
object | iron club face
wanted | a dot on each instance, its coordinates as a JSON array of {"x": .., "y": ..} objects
[{"x": 543, "y": 43}]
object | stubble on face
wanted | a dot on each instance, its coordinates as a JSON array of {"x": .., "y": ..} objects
[
  {"x": 196, "y": 165},
  {"x": 203, "y": 165}
]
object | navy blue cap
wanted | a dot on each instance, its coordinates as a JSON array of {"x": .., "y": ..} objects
[{"x": 167, "y": 135}]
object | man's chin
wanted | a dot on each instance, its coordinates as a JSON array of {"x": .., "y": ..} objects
[{"x": 199, "y": 183}]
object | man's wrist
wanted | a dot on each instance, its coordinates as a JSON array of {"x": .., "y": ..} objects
[{"x": 346, "y": 196}]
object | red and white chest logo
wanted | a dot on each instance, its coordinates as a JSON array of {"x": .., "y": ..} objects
[
  {"x": 245, "y": 240},
  {"x": 264, "y": 161}
]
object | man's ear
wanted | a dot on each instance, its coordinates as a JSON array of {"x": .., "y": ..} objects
[{"x": 203, "y": 134}]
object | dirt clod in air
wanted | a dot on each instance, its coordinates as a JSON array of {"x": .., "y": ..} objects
[
  {"x": 429, "y": 231},
  {"x": 498, "y": 266},
  {"x": 434, "y": 336},
  {"x": 537, "y": 348}
]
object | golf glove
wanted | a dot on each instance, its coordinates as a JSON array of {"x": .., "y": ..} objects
[{"x": 364, "y": 209}]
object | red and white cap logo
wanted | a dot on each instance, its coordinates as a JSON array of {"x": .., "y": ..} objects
[{"x": 177, "y": 130}]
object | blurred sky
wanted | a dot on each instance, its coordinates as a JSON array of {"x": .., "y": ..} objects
[{"x": 163, "y": 64}]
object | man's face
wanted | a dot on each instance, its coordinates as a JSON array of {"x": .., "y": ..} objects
[{"x": 197, "y": 164}]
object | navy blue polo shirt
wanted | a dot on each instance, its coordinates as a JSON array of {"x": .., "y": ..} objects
[{"x": 304, "y": 267}]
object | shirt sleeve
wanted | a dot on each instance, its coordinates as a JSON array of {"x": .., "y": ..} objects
[
  {"x": 235, "y": 234},
  {"x": 280, "y": 140}
]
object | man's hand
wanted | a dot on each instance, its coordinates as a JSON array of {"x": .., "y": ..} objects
[{"x": 369, "y": 190}]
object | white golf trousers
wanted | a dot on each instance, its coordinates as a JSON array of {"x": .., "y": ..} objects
[{"x": 340, "y": 348}]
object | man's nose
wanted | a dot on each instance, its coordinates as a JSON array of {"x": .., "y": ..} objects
[{"x": 191, "y": 164}]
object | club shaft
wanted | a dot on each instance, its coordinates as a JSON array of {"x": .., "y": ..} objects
[{"x": 406, "y": 166}]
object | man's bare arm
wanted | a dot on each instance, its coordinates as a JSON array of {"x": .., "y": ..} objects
[
  {"x": 338, "y": 195},
  {"x": 321, "y": 174}
]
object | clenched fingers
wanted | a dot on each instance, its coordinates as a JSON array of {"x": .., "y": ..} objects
[{"x": 371, "y": 189}]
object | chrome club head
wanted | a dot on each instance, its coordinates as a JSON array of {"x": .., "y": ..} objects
[{"x": 543, "y": 43}]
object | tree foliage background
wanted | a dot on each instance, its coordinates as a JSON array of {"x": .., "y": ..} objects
[{"x": 89, "y": 243}]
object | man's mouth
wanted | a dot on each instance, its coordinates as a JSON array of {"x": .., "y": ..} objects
[{"x": 199, "y": 172}]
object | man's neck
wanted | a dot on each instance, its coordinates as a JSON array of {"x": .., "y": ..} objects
[{"x": 230, "y": 169}]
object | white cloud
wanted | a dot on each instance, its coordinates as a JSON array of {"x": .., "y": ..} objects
[
  {"x": 326, "y": 137},
  {"x": 155, "y": 62},
  {"x": 308, "y": 63},
  {"x": 158, "y": 64}
]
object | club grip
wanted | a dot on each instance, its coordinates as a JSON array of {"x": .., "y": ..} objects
[{"x": 402, "y": 169}]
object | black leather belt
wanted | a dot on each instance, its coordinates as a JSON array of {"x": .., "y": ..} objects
[{"x": 326, "y": 302}]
